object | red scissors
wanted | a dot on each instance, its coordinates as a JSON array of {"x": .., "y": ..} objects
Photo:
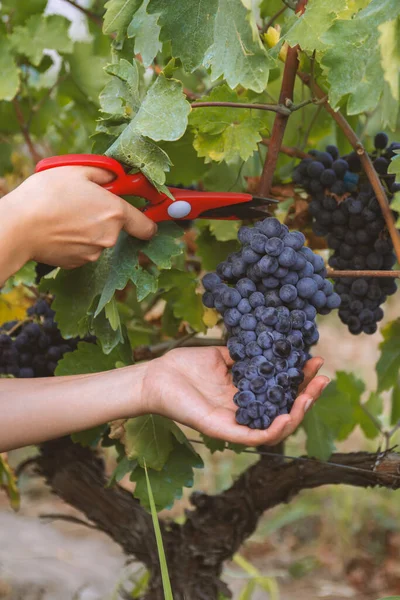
[{"x": 187, "y": 204}]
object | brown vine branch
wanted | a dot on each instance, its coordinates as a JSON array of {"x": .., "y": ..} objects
[
  {"x": 365, "y": 161},
  {"x": 288, "y": 150},
  {"x": 90, "y": 15},
  {"x": 335, "y": 274},
  {"x": 278, "y": 108},
  {"x": 280, "y": 122},
  {"x": 218, "y": 525},
  {"x": 278, "y": 130},
  {"x": 25, "y": 131}
]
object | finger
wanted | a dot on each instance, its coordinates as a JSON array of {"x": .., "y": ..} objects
[
  {"x": 311, "y": 368},
  {"x": 223, "y": 350},
  {"x": 97, "y": 175},
  {"x": 137, "y": 224}
]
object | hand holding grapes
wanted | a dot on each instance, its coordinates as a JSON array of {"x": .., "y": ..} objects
[
  {"x": 194, "y": 387},
  {"x": 63, "y": 217}
]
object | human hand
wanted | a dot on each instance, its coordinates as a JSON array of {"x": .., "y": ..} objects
[
  {"x": 63, "y": 217},
  {"x": 194, "y": 387}
]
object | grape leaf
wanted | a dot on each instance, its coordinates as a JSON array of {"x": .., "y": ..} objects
[
  {"x": 87, "y": 70},
  {"x": 330, "y": 415},
  {"x": 352, "y": 63},
  {"x": 368, "y": 415},
  {"x": 237, "y": 53},
  {"x": 213, "y": 444},
  {"x": 146, "y": 31},
  {"x": 308, "y": 28},
  {"x": 388, "y": 365},
  {"x": 89, "y": 358},
  {"x": 225, "y": 231},
  {"x": 389, "y": 43},
  {"x": 211, "y": 251},
  {"x": 26, "y": 276},
  {"x": 187, "y": 167},
  {"x": 180, "y": 293},
  {"x": 167, "y": 484},
  {"x": 150, "y": 439},
  {"x": 119, "y": 14},
  {"x": 350, "y": 389},
  {"x": 21, "y": 11},
  {"x": 41, "y": 33},
  {"x": 134, "y": 150},
  {"x": 121, "y": 95},
  {"x": 163, "y": 114},
  {"x": 227, "y": 133},
  {"x": 395, "y": 414},
  {"x": 9, "y": 82},
  {"x": 89, "y": 437},
  {"x": 188, "y": 26}
]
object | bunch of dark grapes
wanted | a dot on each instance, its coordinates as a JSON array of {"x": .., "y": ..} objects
[
  {"x": 269, "y": 294},
  {"x": 346, "y": 211},
  {"x": 33, "y": 348}
]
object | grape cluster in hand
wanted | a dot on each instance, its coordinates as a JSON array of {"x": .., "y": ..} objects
[
  {"x": 346, "y": 211},
  {"x": 33, "y": 348},
  {"x": 269, "y": 294}
]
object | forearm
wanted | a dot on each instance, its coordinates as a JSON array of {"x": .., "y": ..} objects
[
  {"x": 14, "y": 250},
  {"x": 36, "y": 410}
]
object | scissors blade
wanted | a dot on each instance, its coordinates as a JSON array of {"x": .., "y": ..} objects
[{"x": 255, "y": 208}]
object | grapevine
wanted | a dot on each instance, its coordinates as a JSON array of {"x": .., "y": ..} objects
[{"x": 346, "y": 211}]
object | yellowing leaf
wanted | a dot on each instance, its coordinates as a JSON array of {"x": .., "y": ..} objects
[
  {"x": 14, "y": 304},
  {"x": 210, "y": 317},
  {"x": 8, "y": 482}
]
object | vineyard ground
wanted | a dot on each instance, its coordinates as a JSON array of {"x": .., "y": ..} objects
[{"x": 65, "y": 561}]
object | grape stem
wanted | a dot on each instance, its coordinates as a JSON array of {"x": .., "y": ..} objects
[
  {"x": 366, "y": 162},
  {"x": 288, "y": 150},
  {"x": 281, "y": 109},
  {"x": 334, "y": 274},
  {"x": 90, "y": 15},
  {"x": 280, "y": 122}
]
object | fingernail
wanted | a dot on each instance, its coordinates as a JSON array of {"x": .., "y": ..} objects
[
  {"x": 155, "y": 228},
  {"x": 321, "y": 362},
  {"x": 308, "y": 404}
]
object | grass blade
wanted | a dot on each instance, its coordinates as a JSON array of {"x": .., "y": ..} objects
[{"x": 160, "y": 546}]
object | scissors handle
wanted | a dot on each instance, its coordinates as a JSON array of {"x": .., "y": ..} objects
[{"x": 123, "y": 184}]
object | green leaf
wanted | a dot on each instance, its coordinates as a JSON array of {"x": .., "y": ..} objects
[
  {"x": 189, "y": 28},
  {"x": 332, "y": 415},
  {"x": 160, "y": 546},
  {"x": 389, "y": 43},
  {"x": 146, "y": 31},
  {"x": 119, "y": 14},
  {"x": 168, "y": 483},
  {"x": 225, "y": 231},
  {"x": 134, "y": 150},
  {"x": 223, "y": 133},
  {"x": 211, "y": 251},
  {"x": 163, "y": 114},
  {"x": 89, "y": 358},
  {"x": 121, "y": 95},
  {"x": 308, "y": 29},
  {"x": 388, "y": 365},
  {"x": 352, "y": 64},
  {"x": 41, "y": 33},
  {"x": 123, "y": 467},
  {"x": 9, "y": 82},
  {"x": 395, "y": 414},
  {"x": 25, "y": 276},
  {"x": 237, "y": 53},
  {"x": 350, "y": 390},
  {"x": 212, "y": 444},
  {"x": 87, "y": 70},
  {"x": 8, "y": 482},
  {"x": 150, "y": 440},
  {"x": 180, "y": 294},
  {"x": 187, "y": 168},
  {"x": 20, "y": 11},
  {"x": 368, "y": 415},
  {"x": 89, "y": 437}
]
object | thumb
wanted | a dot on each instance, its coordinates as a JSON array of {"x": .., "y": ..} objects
[
  {"x": 97, "y": 175},
  {"x": 137, "y": 224}
]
